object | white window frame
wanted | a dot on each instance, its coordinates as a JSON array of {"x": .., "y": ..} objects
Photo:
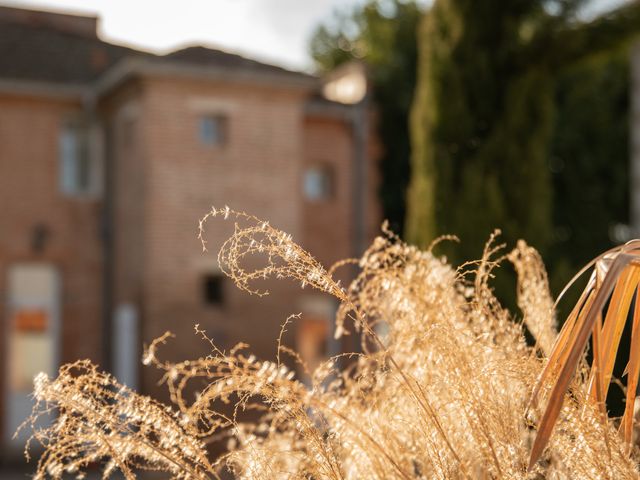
[{"x": 80, "y": 147}]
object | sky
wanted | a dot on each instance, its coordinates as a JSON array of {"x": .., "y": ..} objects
[{"x": 275, "y": 31}]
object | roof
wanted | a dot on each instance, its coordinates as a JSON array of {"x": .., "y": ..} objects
[
  {"x": 199, "y": 55},
  {"x": 46, "y": 54},
  {"x": 63, "y": 49}
]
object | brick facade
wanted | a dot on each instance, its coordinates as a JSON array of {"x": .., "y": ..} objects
[
  {"x": 134, "y": 244},
  {"x": 33, "y": 206}
]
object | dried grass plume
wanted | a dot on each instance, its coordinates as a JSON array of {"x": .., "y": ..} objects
[{"x": 440, "y": 389}]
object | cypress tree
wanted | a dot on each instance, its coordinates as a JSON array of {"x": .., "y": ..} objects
[{"x": 483, "y": 115}]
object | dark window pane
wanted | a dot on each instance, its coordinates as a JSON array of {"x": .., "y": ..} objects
[
  {"x": 213, "y": 289},
  {"x": 76, "y": 165},
  {"x": 213, "y": 130},
  {"x": 318, "y": 183}
]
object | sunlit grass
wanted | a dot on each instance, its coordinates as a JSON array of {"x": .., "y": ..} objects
[{"x": 444, "y": 393}]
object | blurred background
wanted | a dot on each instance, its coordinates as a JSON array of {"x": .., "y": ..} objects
[{"x": 122, "y": 123}]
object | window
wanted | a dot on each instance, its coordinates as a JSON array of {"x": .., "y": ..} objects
[
  {"x": 213, "y": 289},
  {"x": 213, "y": 130},
  {"x": 318, "y": 183},
  {"x": 77, "y": 171}
]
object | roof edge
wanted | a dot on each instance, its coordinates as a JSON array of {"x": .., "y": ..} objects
[
  {"x": 16, "y": 86},
  {"x": 128, "y": 67},
  {"x": 323, "y": 108}
]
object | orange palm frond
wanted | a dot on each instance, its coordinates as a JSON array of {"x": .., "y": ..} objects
[{"x": 616, "y": 276}]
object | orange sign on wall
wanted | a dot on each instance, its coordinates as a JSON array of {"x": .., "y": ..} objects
[{"x": 30, "y": 320}]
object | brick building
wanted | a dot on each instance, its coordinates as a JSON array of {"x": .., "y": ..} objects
[{"x": 108, "y": 158}]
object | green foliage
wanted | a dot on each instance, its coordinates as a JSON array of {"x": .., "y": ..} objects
[
  {"x": 589, "y": 160},
  {"x": 520, "y": 120},
  {"x": 383, "y": 35},
  {"x": 484, "y": 115}
]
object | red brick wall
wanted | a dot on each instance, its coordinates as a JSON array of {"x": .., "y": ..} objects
[
  {"x": 129, "y": 181},
  {"x": 258, "y": 171},
  {"x": 122, "y": 119},
  {"x": 29, "y": 195},
  {"x": 165, "y": 180},
  {"x": 328, "y": 226}
]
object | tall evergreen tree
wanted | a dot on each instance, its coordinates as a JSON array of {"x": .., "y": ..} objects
[{"x": 484, "y": 111}]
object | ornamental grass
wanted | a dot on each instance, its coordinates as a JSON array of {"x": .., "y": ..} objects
[{"x": 446, "y": 384}]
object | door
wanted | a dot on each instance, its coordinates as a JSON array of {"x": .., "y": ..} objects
[{"x": 33, "y": 332}]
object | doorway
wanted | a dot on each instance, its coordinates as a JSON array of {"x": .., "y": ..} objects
[{"x": 32, "y": 340}]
